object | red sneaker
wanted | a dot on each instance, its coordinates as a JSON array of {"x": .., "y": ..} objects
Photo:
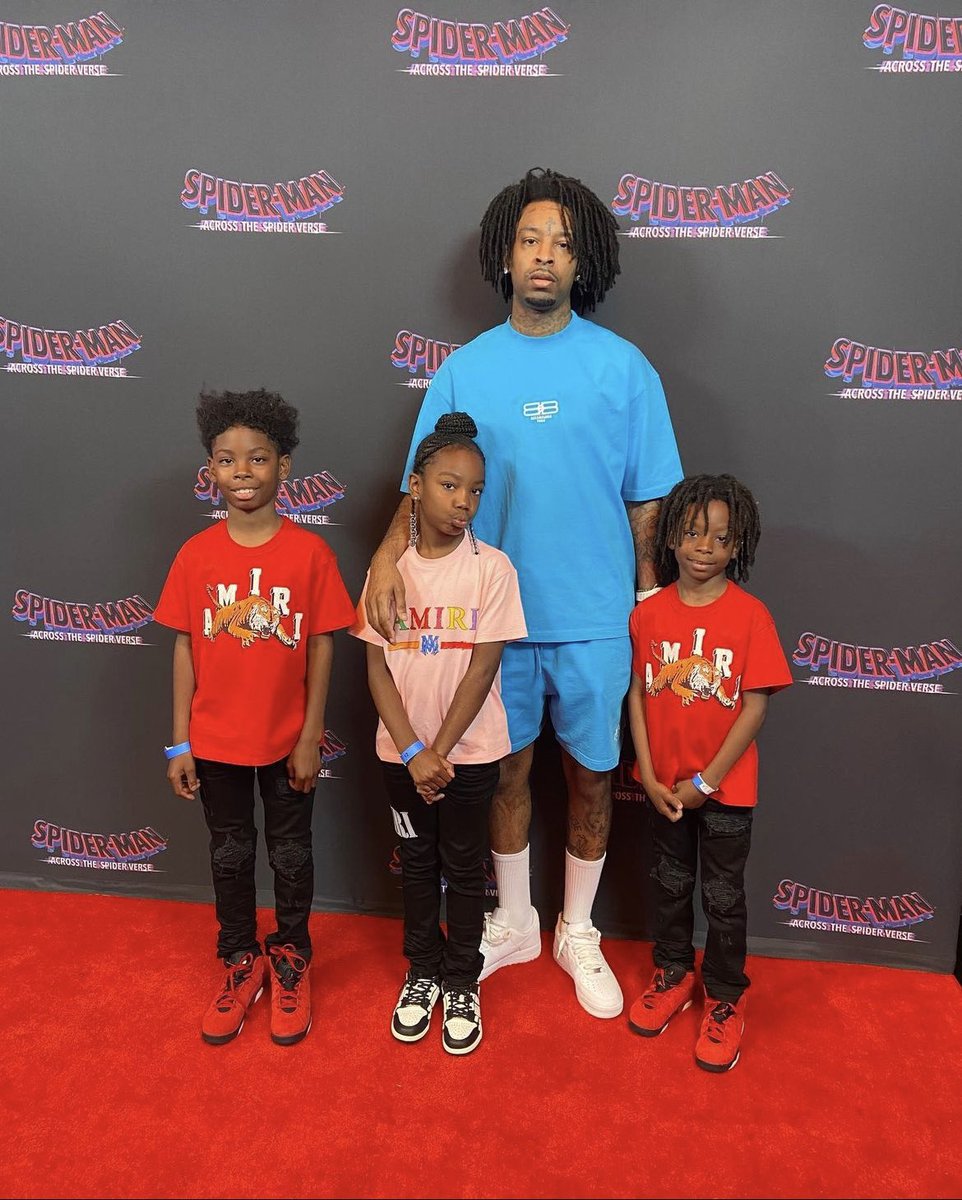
[
  {"x": 669, "y": 992},
  {"x": 290, "y": 996},
  {"x": 242, "y": 988},
  {"x": 722, "y": 1026}
]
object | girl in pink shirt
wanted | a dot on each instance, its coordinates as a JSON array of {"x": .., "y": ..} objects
[{"x": 442, "y": 728}]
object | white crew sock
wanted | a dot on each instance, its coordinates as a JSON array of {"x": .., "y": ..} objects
[
  {"x": 581, "y": 884},
  {"x": 513, "y": 873}
]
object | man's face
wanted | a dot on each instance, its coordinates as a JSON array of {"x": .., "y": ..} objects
[{"x": 542, "y": 266}]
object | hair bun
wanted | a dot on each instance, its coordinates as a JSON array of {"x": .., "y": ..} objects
[{"x": 457, "y": 422}]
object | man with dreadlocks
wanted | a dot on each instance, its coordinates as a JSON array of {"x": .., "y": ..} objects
[{"x": 579, "y": 447}]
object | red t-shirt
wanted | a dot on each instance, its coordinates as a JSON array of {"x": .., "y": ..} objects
[
  {"x": 249, "y": 612},
  {"x": 695, "y": 663}
]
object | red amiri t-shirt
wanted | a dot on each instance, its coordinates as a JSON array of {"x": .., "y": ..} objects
[
  {"x": 695, "y": 663},
  {"x": 249, "y": 612}
]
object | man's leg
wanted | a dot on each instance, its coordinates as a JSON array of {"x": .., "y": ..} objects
[{"x": 586, "y": 683}]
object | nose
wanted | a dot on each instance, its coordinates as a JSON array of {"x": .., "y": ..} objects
[{"x": 545, "y": 253}]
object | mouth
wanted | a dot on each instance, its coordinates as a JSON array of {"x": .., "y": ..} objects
[
  {"x": 243, "y": 493},
  {"x": 541, "y": 277},
  {"x": 459, "y": 522}
]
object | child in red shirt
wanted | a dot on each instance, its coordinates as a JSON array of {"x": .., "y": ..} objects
[
  {"x": 254, "y": 600},
  {"x": 705, "y": 659}
]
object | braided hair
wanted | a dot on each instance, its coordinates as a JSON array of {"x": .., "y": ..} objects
[
  {"x": 451, "y": 429},
  {"x": 697, "y": 492},
  {"x": 593, "y": 233}
]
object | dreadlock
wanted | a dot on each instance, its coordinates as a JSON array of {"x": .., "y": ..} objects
[
  {"x": 593, "y": 234},
  {"x": 452, "y": 429},
  {"x": 692, "y": 496},
  {"x": 261, "y": 410}
]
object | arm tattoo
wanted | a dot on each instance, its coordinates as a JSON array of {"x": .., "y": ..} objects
[{"x": 643, "y": 518}]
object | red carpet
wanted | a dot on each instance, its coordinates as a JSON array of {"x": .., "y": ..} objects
[{"x": 849, "y": 1083}]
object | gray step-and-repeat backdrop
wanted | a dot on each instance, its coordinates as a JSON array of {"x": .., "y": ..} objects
[{"x": 234, "y": 195}]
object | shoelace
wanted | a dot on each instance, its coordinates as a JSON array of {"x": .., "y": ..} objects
[
  {"x": 494, "y": 931},
  {"x": 417, "y": 993},
  {"x": 587, "y": 950},
  {"x": 717, "y": 1017},
  {"x": 459, "y": 1005},
  {"x": 236, "y": 975},
  {"x": 289, "y": 966}
]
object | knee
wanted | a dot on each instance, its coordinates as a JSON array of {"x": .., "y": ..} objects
[
  {"x": 291, "y": 860},
  {"x": 673, "y": 877},
  {"x": 231, "y": 856},
  {"x": 721, "y": 897}
]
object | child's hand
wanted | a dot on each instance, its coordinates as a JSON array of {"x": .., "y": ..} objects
[
  {"x": 664, "y": 801},
  {"x": 431, "y": 772},
  {"x": 182, "y": 776},
  {"x": 689, "y": 796},
  {"x": 303, "y": 764}
]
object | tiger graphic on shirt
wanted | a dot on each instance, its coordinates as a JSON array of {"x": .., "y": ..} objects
[
  {"x": 692, "y": 678},
  {"x": 252, "y": 618}
]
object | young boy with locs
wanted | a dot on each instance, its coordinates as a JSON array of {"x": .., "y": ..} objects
[
  {"x": 705, "y": 659},
  {"x": 254, "y": 600}
]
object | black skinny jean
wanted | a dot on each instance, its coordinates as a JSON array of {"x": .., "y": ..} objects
[
  {"x": 227, "y": 793},
  {"x": 449, "y": 837},
  {"x": 720, "y": 836}
]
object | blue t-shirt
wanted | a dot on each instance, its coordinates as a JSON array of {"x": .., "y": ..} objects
[{"x": 572, "y": 425}]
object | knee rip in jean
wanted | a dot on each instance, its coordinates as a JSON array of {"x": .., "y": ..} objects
[
  {"x": 675, "y": 878},
  {"x": 231, "y": 856},
  {"x": 289, "y": 859},
  {"x": 721, "y": 896},
  {"x": 727, "y": 824}
]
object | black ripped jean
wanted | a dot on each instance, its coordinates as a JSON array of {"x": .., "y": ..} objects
[
  {"x": 227, "y": 794},
  {"x": 720, "y": 836}
]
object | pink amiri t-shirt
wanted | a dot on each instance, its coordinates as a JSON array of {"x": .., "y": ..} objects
[{"x": 453, "y": 603}]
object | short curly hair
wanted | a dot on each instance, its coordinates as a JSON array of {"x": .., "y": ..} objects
[{"x": 262, "y": 410}]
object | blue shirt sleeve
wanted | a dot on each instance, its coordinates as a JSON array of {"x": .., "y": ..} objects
[
  {"x": 438, "y": 399},
  {"x": 653, "y": 466}
]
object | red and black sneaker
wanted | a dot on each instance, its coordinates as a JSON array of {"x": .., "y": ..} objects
[
  {"x": 722, "y": 1026},
  {"x": 290, "y": 996},
  {"x": 669, "y": 992},
  {"x": 241, "y": 989}
]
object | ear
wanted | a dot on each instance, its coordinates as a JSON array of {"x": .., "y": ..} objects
[
  {"x": 285, "y": 466},
  {"x": 414, "y": 485}
]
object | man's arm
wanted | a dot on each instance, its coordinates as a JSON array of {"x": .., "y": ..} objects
[
  {"x": 643, "y": 518},
  {"x": 385, "y": 596}
]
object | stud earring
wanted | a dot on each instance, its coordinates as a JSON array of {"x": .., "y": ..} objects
[{"x": 413, "y": 540}]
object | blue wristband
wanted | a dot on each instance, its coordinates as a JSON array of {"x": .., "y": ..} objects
[
  {"x": 180, "y": 748},
  {"x": 706, "y": 789},
  {"x": 409, "y": 753}
]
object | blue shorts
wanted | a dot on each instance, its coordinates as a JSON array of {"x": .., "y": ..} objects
[{"x": 583, "y": 684}]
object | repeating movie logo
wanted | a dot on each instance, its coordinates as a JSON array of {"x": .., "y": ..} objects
[
  {"x": 278, "y": 207},
  {"x": 303, "y": 500},
  {"x": 32, "y": 350},
  {"x": 131, "y": 851},
  {"x": 110, "y": 622},
  {"x": 419, "y": 357},
  {"x": 926, "y": 44},
  {"x": 664, "y": 210},
  {"x": 404, "y": 829},
  {"x": 877, "y": 373},
  {"x": 838, "y": 664},
  {"x": 624, "y": 786},
  {"x": 59, "y": 49},
  {"x": 332, "y": 748},
  {"x": 836, "y": 912},
  {"x": 470, "y": 48}
]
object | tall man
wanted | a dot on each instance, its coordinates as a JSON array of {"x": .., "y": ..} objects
[{"x": 579, "y": 449}]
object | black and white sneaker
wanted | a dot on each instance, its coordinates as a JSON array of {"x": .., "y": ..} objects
[
  {"x": 412, "y": 1013},
  {"x": 461, "y": 1027}
]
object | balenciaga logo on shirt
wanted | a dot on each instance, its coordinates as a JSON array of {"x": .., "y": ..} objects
[{"x": 540, "y": 411}]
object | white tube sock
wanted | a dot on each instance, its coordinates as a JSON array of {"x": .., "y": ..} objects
[
  {"x": 513, "y": 873},
  {"x": 581, "y": 884}
]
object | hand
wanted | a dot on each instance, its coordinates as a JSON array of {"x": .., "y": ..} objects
[
  {"x": 182, "y": 776},
  {"x": 686, "y": 792},
  {"x": 430, "y": 772},
  {"x": 303, "y": 764},
  {"x": 384, "y": 598},
  {"x": 664, "y": 800}
]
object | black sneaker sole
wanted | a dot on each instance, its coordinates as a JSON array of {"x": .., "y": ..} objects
[
  {"x": 657, "y": 1032},
  {"x": 718, "y": 1068},
  {"x": 294, "y": 1038},
  {"x": 460, "y": 1047},
  {"x": 410, "y": 1035}
]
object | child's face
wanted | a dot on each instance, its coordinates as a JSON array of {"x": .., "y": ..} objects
[
  {"x": 247, "y": 468},
  {"x": 706, "y": 547},
  {"x": 448, "y": 490}
]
